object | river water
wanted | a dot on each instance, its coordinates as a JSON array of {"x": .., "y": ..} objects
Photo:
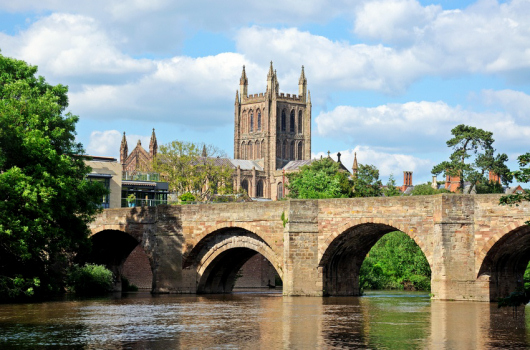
[{"x": 379, "y": 320}]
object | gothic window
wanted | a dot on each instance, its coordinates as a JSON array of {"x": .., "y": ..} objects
[
  {"x": 291, "y": 122},
  {"x": 244, "y": 185},
  {"x": 259, "y": 120},
  {"x": 280, "y": 190},
  {"x": 251, "y": 121},
  {"x": 243, "y": 151},
  {"x": 300, "y": 123},
  {"x": 259, "y": 189},
  {"x": 300, "y": 147},
  {"x": 262, "y": 148},
  {"x": 250, "y": 154},
  {"x": 284, "y": 150},
  {"x": 291, "y": 149},
  {"x": 284, "y": 126},
  {"x": 258, "y": 150}
]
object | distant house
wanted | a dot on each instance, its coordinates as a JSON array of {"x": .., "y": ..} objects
[{"x": 107, "y": 170}]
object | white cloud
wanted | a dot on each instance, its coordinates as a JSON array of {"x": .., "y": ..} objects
[
  {"x": 107, "y": 143},
  {"x": 387, "y": 163},
  {"x": 418, "y": 126},
  {"x": 515, "y": 102}
]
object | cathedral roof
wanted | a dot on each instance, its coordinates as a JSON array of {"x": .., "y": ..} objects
[
  {"x": 297, "y": 164},
  {"x": 246, "y": 164}
]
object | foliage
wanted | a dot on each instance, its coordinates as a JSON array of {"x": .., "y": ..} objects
[
  {"x": 187, "y": 197},
  {"x": 131, "y": 198},
  {"x": 367, "y": 183},
  {"x": 391, "y": 189},
  {"x": 395, "y": 262},
  {"x": 45, "y": 200},
  {"x": 90, "y": 279},
  {"x": 321, "y": 179},
  {"x": 191, "y": 167},
  {"x": 521, "y": 175},
  {"x": 127, "y": 286},
  {"x": 469, "y": 141},
  {"x": 284, "y": 219},
  {"x": 426, "y": 189}
]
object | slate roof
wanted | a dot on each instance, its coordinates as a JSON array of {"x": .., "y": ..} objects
[
  {"x": 245, "y": 164},
  {"x": 297, "y": 164}
]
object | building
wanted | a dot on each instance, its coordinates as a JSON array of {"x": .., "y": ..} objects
[
  {"x": 272, "y": 135},
  {"x": 107, "y": 170},
  {"x": 139, "y": 160}
]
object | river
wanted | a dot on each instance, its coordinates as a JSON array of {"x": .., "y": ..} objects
[{"x": 379, "y": 320}]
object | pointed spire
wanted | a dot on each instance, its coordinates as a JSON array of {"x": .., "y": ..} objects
[
  {"x": 302, "y": 79},
  {"x": 153, "y": 144},
  {"x": 271, "y": 72},
  {"x": 124, "y": 150},
  {"x": 243, "y": 80},
  {"x": 355, "y": 167}
]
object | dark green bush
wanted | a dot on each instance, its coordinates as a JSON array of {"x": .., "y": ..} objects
[
  {"x": 127, "y": 286},
  {"x": 90, "y": 279},
  {"x": 187, "y": 197}
]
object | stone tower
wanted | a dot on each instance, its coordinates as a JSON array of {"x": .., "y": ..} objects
[
  {"x": 272, "y": 126},
  {"x": 124, "y": 150}
]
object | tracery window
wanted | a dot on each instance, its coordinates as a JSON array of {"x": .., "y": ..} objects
[
  {"x": 284, "y": 121},
  {"x": 291, "y": 149},
  {"x": 251, "y": 121},
  {"x": 300, "y": 150},
  {"x": 259, "y": 120},
  {"x": 291, "y": 122},
  {"x": 300, "y": 123}
]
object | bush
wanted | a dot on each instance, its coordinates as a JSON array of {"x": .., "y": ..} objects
[
  {"x": 127, "y": 286},
  {"x": 90, "y": 279},
  {"x": 187, "y": 197}
]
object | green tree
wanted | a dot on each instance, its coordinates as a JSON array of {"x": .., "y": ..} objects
[
  {"x": 391, "y": 189},
  {"x": 196, "y": 168},
  {"x": 426, "y": 189},
  {"x": 321, "y": 179},
  {"x": 367, "y": 183},
  {"x": 468, "y": 142},
  {"x": 521, "y": 175},
  {"x": 395, "y": 262},
  {"x": 45, "y": 200}
]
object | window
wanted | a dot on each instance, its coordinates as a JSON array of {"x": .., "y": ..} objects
[
  {"x": 244, "y": 185},
  {"x": 284, "y": 126},
  {"x": 300, "y": 150},
  {"x": 291, "y": 122},
  {"x": 284, "y": 150},
  {"x": 291, "y": 149},
  {"x": 105, "y": 181},
  {"x": 250, "y": 155},
  {"x": 251, "y": 121},
  {"x": 243, "y": 151},
  {"x": 278, "y": 149},
  {"x": 280, "y": 190},
  {"x": 259, "y": 120},
  {"x": 258, "y": 150},
  {"x": 300, "y": 122},
  {"x": 259, "y": 189}
]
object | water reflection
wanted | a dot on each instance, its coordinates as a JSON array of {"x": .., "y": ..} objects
[{"x": 377, "y": 321}]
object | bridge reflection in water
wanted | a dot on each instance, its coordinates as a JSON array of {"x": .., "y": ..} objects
[{"x": 379, "y": 320}]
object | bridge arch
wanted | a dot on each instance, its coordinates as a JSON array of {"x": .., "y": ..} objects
[
  {"x": 219, "y": 256},
  {"x": 503, "y": 259},
  {"x": 346, "y": 248},
  {"x": 112, "y": 246}
]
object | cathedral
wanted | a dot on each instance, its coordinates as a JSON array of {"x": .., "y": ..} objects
[{"x": 272, "y": 136}]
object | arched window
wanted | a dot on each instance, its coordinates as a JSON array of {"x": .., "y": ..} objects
[
  {"x": 243, "y": 150},
  {"x": 259, "y": 189},
  {"x": 291, "y": 150},
  {"x": 244, "y": 122},
  {"x": 300, "y": 123},
  {"x": 284, "y": 126},
  {"x": 291, "y": 122},
  {"x": 250, "y": 154},
  {"x": 300, "y": 150},
  {"x": 244, "y": 185},
  {"x": 258, "y": 150},
  {"x": 251, "y": 121},
  {"x": 259, "y": 120},
  {"x": 262, "y": 148},
  {"x": 280, "y": 190},
  {"x": 284, "y": 150}
]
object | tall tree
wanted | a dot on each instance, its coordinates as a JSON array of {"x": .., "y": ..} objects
[
  {"x": 473, "y": 155},
  {"x": 321, "y": 179},
  {"x": 367, "y": 183},
  {"x": 45, "y": 200},
  {"x": 521, "y": 175},
  {"x": 197, "y": 168},
  {"x": 391, "y": 189}
]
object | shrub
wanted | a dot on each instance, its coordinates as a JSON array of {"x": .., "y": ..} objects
[
  {"x": 90, "y": 279},
  {"x": 187, "y": 197},
  {"x": 127, "y": 286}
]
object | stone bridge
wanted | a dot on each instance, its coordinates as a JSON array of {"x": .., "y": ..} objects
[{"x": 477, "y": 249}]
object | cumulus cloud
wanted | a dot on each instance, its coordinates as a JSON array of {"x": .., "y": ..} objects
[
  {"x": 417, "y": 126},
  {"x": 387, "y": 163},
  {"x": 107, "y": 143},
  {"x": 515, "y": 102}
]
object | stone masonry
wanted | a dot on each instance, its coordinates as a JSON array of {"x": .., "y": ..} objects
[{"x": 477, "y": 249}]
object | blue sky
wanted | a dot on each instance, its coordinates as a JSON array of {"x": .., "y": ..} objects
[{"x": 389, "y": 79}]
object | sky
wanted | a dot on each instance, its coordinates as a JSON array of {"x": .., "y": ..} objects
[{"x": 389, "y": 79}]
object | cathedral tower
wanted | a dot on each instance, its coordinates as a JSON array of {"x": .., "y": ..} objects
[{"x": 272, "y": 126}]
